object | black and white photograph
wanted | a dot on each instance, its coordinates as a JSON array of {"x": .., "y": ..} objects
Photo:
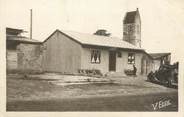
[{"x": 92, "y": 55}]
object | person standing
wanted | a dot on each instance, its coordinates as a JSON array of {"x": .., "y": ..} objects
[{"x": 134, "y": 70}]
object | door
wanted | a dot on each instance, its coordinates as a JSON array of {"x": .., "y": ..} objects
[{"x": 112, "y": 60}]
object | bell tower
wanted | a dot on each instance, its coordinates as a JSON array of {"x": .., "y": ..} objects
[{"x": 132, "y": 28}]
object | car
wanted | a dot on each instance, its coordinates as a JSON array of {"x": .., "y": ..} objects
[{"x": 166, "y": 75}]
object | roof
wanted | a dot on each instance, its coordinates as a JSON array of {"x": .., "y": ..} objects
[
  {"x": 13, "y": 31},
  {"x": 96, "y": 40},
  {"x": 130, "y": 17},
  {"x": 158, "y": 55},
  {"x": 21, "y": 39}
]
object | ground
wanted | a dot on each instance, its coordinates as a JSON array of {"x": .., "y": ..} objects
[{"x": 53, "y": 92}]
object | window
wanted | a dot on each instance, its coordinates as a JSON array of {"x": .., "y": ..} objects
[
  {"x": 119, "y": 54},
  {"x": 131, "y": 58},
  {"x": 131, "y": 28},
  {"x": 95, "y": 56}
]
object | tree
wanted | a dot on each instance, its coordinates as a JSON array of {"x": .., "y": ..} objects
[{"x": 102, "y": 32}]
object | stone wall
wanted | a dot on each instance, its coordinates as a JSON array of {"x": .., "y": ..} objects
[{"x": 29, "y": 57}]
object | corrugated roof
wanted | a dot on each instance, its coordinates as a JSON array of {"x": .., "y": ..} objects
[
  {"x": 158, "y": 55},
  {"x": 22, "y": 39},
  {"x": 95, "y": 40},
  {"x": 13, "y": 31}
]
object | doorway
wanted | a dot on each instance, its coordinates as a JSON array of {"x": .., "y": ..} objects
[{"x": 112, "y": 60}]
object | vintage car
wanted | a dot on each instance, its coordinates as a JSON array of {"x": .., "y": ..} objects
[{"x": 166, "y": 75}]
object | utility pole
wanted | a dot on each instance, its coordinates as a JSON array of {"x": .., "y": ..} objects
[{"x": 31, "y": 25}]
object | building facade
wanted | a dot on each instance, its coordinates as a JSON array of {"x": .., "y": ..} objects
[{"x": 68, "y": 52}]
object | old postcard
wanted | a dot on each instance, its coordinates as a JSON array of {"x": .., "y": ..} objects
[{"x": 120, "y": 56}]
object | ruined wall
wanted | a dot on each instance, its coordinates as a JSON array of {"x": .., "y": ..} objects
[
  {"x": 29, "y": 57},
  {"x": 132, "y": 31}
]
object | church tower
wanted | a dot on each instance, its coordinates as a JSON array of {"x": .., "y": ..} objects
[{"x": 132, "y": 28}]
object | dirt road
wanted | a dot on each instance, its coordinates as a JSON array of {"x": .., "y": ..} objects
[
  {"x": 126, "y": 94},
  {"x": 112, "y": 103}
]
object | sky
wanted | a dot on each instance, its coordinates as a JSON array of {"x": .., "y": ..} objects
[{"x": 162, "y": 20}]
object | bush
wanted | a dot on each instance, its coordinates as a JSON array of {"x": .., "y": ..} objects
[
  {"x": 128, "y": 72},
  {"x": 90, "y": 72}
]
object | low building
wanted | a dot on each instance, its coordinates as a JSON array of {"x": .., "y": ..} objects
[
  {"x": 160, "y": 59},
  {"x": 68, "y": 52},
  {"x": 22, "y": 53}
]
